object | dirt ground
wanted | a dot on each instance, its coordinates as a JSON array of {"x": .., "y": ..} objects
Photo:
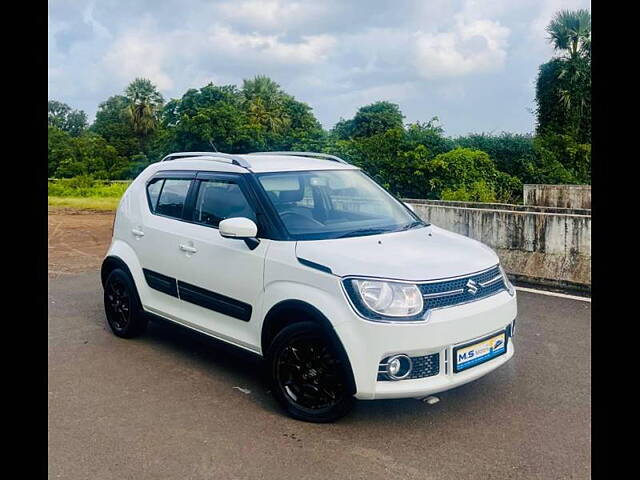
[{"x": 78, "y": 240}]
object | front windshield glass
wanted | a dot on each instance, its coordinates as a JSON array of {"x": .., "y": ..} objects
[{"x": 325, "y": 204}]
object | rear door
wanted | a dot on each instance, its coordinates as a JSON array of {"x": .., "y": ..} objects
[
  {"x": 220, "y": 280},
  {"x": 158, "y": 238}
]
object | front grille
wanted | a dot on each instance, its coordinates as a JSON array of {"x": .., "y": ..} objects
[
  {"x": 425, "y": 366},
  {"x": 447, "y": 293}
]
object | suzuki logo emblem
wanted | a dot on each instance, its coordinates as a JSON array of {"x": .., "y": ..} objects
[{"x": 472, "y": 287}]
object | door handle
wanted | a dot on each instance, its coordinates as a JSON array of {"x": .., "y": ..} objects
[
  {"x": 137, "y": 233},
  {"x": 188, "y": 248}
]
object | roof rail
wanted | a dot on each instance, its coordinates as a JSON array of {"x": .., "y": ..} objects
[
  {"x": 216, "y": 156},
  {"x": 325, "y": 156}
]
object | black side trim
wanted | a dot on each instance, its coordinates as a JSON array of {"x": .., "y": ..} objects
[
  {"x": 317, "y": 266},
  {"x": 214, "y": 301},
  {"x": 160, "y": 282}
]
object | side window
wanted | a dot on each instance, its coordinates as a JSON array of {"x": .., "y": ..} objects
[
  {"x": 154, "y": 187},
  {"x": 219, "y": 199},
  {"x": 172, "y": 196}
]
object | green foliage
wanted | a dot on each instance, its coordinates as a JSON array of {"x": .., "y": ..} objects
[
  {"x": 570, "y": 32},
  {"x": 512, "y": 153},
  {"x": 370, "y": 120},
  {"x": 462, "y": 169},
  {"x": 62, "y": 116},
  {"x": 144, "y": 105},
  {"x": 561, "y": 159},
  {"x": 417, "y": 160},
  {"x": 563, "y": 87},
  {"x": 258, "y": 117},
  {"x": 112, "y": 124},
  {"x": 479, "y": 191},
  {"x": 85, "y": 186},
  {"x": 88, "y": 154},
  {"x": 429, "y": 134}
]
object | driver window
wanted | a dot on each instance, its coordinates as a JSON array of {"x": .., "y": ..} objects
[{"x": 219, "y": 199}]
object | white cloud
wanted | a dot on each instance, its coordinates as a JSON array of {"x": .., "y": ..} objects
[
  {"x": 308, "y": 50},
  {"x": 136, "y": 54},
  {"x": 475, "y": 46},
  {"x": 98, "y": 28},
  {"x": 272, "y": 13}
]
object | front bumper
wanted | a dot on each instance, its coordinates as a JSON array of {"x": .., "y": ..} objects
[{"x": 367, "y": 343}]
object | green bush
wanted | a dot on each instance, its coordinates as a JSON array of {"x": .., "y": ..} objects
[
  {"x": 479, "y": 191},
  {"x": 85, "y": 186}
]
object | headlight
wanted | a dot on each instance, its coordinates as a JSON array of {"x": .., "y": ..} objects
[
  {"x": 510, "y": 287},
  {"x": 378, "y": 299}
]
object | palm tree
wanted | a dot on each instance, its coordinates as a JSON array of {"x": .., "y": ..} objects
[
  {"x": 570, "y": 34},
  {"x": 145, "y": 103},
  {"x": 264, "y": 101}
]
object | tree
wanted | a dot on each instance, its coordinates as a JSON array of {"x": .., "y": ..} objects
[
  {"x": 570, "y": 33},
  {"x": 563, "y": 88},
  {"x": 211, "y": 114},
  {"x": 113, "y": 124},
  {"x": 430, "y": 134},
  {"x": 144, "y": 106},
  {"x": 264, "y": 102},
  {"x": 59, "y": 148},
  {"x": 62, "y": 116},
  {"x": 87, "y": 154},
  {"x": 370, "y": 120},
  {"x": 471, "y": 171},
  {"x": 513, "y": 153}
]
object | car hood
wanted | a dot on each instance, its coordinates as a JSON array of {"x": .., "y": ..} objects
[{"x": 419, "y": 254}]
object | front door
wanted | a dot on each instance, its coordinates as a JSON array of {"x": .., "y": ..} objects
[{"x": 220, "y": 280}]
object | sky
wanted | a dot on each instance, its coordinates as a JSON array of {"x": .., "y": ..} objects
[{"x": 471, "y": 63}]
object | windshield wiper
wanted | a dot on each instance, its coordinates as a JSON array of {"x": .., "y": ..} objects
[
  {"x": 365, "y": 231},
  {"x": 417, "y": 223}
]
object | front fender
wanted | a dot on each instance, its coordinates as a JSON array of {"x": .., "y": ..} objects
[{"x": 327, "y": 299}]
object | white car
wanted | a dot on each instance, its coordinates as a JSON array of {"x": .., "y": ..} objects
[{"x": 304, "y": 260}]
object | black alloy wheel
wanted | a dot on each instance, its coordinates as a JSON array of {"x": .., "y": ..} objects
[
  {"x": 308, "y": 375},
  {"x": 122, "y": 307}
]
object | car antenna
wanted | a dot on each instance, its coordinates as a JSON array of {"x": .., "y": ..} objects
[{"x": 214, "y": 147}]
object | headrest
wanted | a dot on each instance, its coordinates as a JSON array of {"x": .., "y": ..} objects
[{"x": 289, "y": 196}]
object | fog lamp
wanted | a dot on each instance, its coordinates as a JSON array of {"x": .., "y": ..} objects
[{"x": 399, "y": 367}]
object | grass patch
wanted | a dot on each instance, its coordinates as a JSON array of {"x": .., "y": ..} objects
[
  {"x": 85, "y": 187},
  {"x": 85, "y": 193},
  {"x": 103, "y": 204}
]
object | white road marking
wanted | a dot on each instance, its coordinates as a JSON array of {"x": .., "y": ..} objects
[{"x": 555, "y": 294}]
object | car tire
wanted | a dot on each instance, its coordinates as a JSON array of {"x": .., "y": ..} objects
[
  {"x": 122, "y": 305},
  {"x": 308, "y": 374}
]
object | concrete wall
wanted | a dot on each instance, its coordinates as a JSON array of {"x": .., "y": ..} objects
[
  {"x": 545, "y": 248},
  {"x": 566, "y": 196}
]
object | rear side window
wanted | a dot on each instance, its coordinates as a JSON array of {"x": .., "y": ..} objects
[
  {"x": 153, "y": 190},
  {"x": 171, "y": 196},
  {"x": 219, "y": 199}
]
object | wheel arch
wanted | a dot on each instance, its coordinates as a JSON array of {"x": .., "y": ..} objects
[
  {"x": 288, "y": 312},
  {"x": 112, "y": 262}
]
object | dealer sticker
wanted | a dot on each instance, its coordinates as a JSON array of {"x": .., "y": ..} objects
[{"x": 477, "y": 353}]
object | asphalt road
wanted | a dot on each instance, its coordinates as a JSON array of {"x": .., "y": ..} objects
[{"x": 166, "y": 406}]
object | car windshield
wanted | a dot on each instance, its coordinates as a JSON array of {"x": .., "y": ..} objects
[{"x": 324, "y": 204}]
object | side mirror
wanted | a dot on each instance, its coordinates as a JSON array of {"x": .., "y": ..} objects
[
  {"x": 238, "y": 227},
  {"x": 241, "y": 228}
]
